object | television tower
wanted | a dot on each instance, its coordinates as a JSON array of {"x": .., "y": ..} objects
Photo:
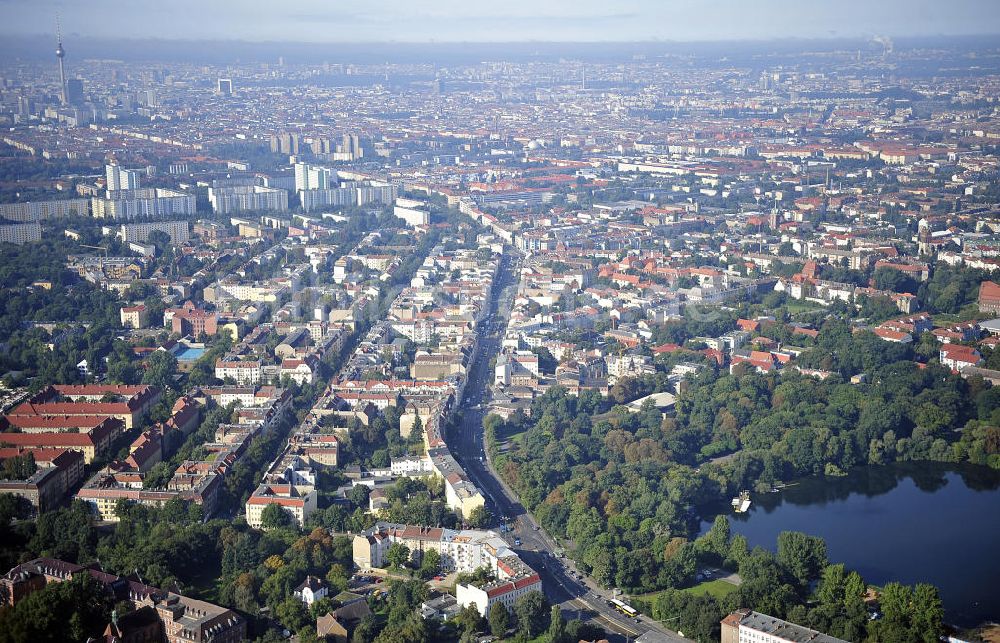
[{"x": 60, "y": 54}]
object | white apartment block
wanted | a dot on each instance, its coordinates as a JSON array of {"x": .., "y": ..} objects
[
  {"x": 504, "y": 592},
  {"x": 150, "y": 203},
  {"x": 411, "y": 465},
  {"x": 139, "y": 232},
  {"x": 410, "y": 211},
  {"x": 248, "y": 198},
  {"x": 118, "y": 178},
  {"x": 313, "y": 177},
  {"x": 328, "y": 197},
  {"x": 298, "y": 501},
  {"x": 265, "y": 293},
  {"x": 39, "y": 210},
  {"x": 19, "y": 233},
  {"x": 746, "y": 626},
  {"x": 462, "y": 551},
  {"x": 620, "y": 366},
  {"x": 243, "y": 373}
]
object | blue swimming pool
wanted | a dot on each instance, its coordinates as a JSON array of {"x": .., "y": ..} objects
[{"x": 189, "y": 354}]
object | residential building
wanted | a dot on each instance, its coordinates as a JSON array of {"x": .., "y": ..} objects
[
  {"x": 18, "y": 233},
  {"x": 129, "y": 404},
  {"x": 134, "y": 316},
  {"x": 250, "y": 198},
  {"x": 139, "y": 232},
  {"x": 298, "y": 500},
  {"x": 959, "y": 356},
  {"x": 244, "y": 373},
  {"x": 58, "y": 471},
  {"x": 189, "y": 320},
  {"x": 152, "y": 203},
  {"x": 313, "y": 177},
  {"x": 310, "y": 590},
  {"x": 118, "y": 179},
  {"x": 989, "y": 297},
  {"x": 41, "y": 210},
  {"x": 747, "y": 626}
]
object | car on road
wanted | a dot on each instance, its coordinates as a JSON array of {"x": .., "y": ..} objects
[{"x": 517, "y": 542}]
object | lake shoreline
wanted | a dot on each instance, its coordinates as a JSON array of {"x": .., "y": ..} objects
[{"x": 881, "y": 520}]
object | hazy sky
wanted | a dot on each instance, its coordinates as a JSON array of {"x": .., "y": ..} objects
[{"x": 498, "y": 21}]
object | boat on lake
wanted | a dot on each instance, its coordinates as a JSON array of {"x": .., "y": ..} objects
[{"x": 741, "y": 503}]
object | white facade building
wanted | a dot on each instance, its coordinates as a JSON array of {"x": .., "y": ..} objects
[
  {"x": 250, "y": 198},
  {"x": 243, "y": 373},
  {"x": 20, "y": 232},
  {"x": 118, "y": 178},
  {"x": 139, "y": 232}
]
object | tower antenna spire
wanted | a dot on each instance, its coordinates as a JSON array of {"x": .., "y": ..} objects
[{"x": 60, "y": 54}]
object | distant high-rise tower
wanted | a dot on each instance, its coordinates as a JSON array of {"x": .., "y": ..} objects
[
  {"x": 118, "y": 178},
  {"x": 313, "y": 177},
  {"x": 225, "y": 87},
  {"x": 60, "y": 54},
  {"x": 74, "y": 91}
]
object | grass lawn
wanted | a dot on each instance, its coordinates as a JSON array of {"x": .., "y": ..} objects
[
  {"x": 515, "y": 438},
  {"x": 796, "y": 306},
  {"x": 717, "y": 588}
]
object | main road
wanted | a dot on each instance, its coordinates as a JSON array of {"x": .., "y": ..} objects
[{"x": 574, "y": 592}]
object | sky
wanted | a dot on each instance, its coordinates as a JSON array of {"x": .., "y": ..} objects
[{"x": 499, "y": 21}]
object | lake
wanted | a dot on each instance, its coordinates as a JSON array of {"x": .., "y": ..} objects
[{"x": 907, "y": 522}]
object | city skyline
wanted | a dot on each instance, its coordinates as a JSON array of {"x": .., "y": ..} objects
[{"x": 519, "y": 21}]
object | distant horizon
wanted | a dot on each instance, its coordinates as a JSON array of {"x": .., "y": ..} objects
[
  {"x": 396, "y": 41},
  {"x": 482, "y": 21},
  {"x": 41, "y": 47}
]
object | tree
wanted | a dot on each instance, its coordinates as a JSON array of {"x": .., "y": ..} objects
[
  {"x": 854, "y": 594},
  {"x": 928, "y": 613},
  {"x": 499, "y": 619},
  {"x": 831, "y": 586},
  {"x": 75, "y": 610},
  {"x": 717, "y": 538},
  {"x": 530, "y": 610},
  {"x": 160, "y": 239},
  {"x": 417, "y": 429},
  {"x": 430, "y": 563},
  {"x": 739, "y": 549},
  {"x": 886, "y": 278},
  {"x": 468, "y": 621},
  {"x": 479, "y": 518},
  {"x": 274, "y": 517},
  {"x": 802, "y": 555},
  {"x": 895, "y": 600},
  {"x": 292, "y": 613},
  {"x": 20, "y": 467},
  {"x": 243, "y": 593},
  {"x": 397, "y": 554},
  {"x": 358, "y": 495},
  {"x": 366, "y": 631},
  {"x": 557, "y": 626},
  {"x": 321, "y": 607},
  {"x": 338, "y": 576},
  {"x": 577, "y": 630},
  {"x": 160, "y": 370}
]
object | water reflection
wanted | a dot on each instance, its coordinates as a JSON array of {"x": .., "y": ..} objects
[{"x": 883, "y": 521}]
